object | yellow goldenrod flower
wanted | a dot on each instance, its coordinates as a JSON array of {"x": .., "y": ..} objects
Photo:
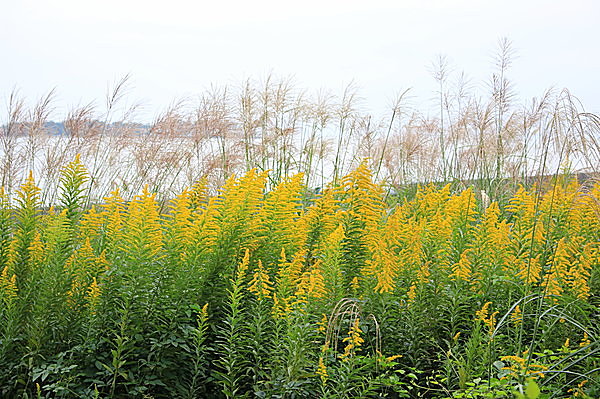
[
  {"x": 91, "y": 223},
  {"x": 28, "y": 195},
  {"x": 322, "y": 370},
  {"x": 289, "y": 274},
  {"x": 243, "y": 265},
  {"x": 382, "y": 264},
  {"x": 528, "y": 269},
  {"x": 93, "y": 295},
  {"x": 181, "y": 219},
  {"x": 143, "y": 236},
  {"x": 516, "y": 317},
  {"x": 113, "y": 212},
  {"x": 489, "y": 321},
  {"x": 455, "y": 338},
  {"x": 580, "y": 273},
  {"x": 203, "y": 315},
  {"x": 354, "y": 284},
  {"x": 36, "y": 250},
  {"x": 277, "y": 309},
  {"x": 261, "y": 284},
  {"x": 565, "y": 348},
  {"x": 280, "y": 213},
  {"x": 585, "y": 341},
  {"x": 392, "y": 358},
  {"x": 558, "y": 266},
  {"x": 311, "y": 284},
  {"x": 578, "y": 391},
  {"x": 462, "y": 269},
  {"x": 354, "y": 340},
  {"x": 519, "y": 367},
  {"x": 322, "y": 324},
  {"x": 8, "y": 287},
  {"x": 483, "y": 312}
]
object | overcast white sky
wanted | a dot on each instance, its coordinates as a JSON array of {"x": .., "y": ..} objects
[{"x": 178, "y": 48}]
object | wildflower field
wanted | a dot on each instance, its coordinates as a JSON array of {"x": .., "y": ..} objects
[{"x": 267, "y": 289}]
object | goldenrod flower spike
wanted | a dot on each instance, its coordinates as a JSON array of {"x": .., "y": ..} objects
[{"x": 261, "y": 284}]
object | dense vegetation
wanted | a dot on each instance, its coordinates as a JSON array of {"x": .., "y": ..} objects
[{"x": 270, "y": 290}]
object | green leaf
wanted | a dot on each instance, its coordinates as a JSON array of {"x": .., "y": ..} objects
[
  {"x": 532, "y": 391},
  {"x": 107, "y": 367}
]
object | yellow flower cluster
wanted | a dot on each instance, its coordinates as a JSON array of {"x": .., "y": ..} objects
[
  {"x": 522, "y": 367},
  {"x": 8, "y": 287},
  {"x": 516, "y": 316},
  {"x": 261, "y": 284},
  {"x": 353, "y": 341},
  {"x": 489, "y": 320},
  {"x": 322, "y": 370}
]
